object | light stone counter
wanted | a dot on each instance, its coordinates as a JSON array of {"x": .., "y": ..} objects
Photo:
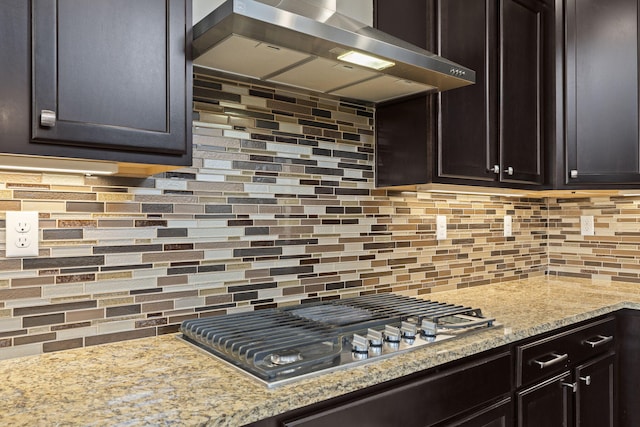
[{"x": 163, "y": 381}]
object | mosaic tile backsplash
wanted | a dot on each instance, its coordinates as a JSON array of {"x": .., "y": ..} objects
[
  {"x": 279, "y": 207},
  {"x": 613, "y": 253}
]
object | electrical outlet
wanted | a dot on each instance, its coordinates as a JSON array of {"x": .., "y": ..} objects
[
  {"x": 21, "y": 234},
  {"x": 508, "y": 226},
  {"x": 587, "y": 227},
  {"x": 441, "y": 227}
]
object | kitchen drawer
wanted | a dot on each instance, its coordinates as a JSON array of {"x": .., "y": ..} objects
[
  {"x": 541, "y": 358},
  {"x": 422, "y": 402}
]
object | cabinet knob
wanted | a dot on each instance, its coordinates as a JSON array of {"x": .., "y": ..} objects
[
  {"x": 47, "y": 118},
  {"x": 587, "y": 379},
  {"x": 495, "y": 169},
  {"x": 573, "y": 173},
  {"x": 509, "y": 170}
]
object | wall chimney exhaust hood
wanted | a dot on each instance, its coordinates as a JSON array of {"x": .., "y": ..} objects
[{"x": 304, "y": 45}]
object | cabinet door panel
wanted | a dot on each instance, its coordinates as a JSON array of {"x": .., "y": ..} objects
[
  {"x": 521, "y": 82},
  {"x": 466, "y": 133},
  {"x": 545, "y": 404},
  {"x": 114, "y": 73},
  {"x": 14, "y": 73},
  {"x": 596, "y": 393},
  {"x": 106, "y": 56},
  {"x": 405, "y": 19},
  {"x": 402, "y": 151},
  {"x": 628, "y": 367},
  {"x": 602, "y": 91}
]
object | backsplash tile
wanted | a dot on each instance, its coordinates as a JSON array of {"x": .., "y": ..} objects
[
  {"x": 613, "y": 253},
  {"x": 278, "y": 208}
]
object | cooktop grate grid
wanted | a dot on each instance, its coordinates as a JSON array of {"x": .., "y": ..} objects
[{"x": 296, "y": 340}]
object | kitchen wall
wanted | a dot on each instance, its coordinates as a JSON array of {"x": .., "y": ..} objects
[
  {"x": 613, "y": 253},
  {"x": 279, "y": 207}
]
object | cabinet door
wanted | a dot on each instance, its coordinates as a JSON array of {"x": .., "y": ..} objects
[
  {"x": 15, "y": 80},
  {"x": 114, "y": 74},
  {"x": 402, "y": 150},
  {"x": 596, "y": 393},
  {"x": 522, "y": 64},
  {"x": 628, "y": 386},
  {"x": 467, "y": 131},
  {"x": 546, "y": 404},
  {"x": 602, "y": 91},
  {"x": 405, "y": 19}
]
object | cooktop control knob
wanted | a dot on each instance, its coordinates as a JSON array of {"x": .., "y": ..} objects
[
  {"x": 391, "y": 334},
  {"x": 429, "y": 330},
  {"x": 360, "y": 347},
  {"x": 375, "y": 338},
  {"x": 375, "y": 341},
  {"x": 409, "y": 331}
]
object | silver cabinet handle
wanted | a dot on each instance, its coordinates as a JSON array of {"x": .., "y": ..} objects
[
  {"x": 574, "y": 173},
  {"x": 557, "y": 358},
  {"x": 572, "y": 386},
  {"x": 587, "y": 379},
  {"x": 509, "y": 170},
  {"x": 495, "y": 169},
  {"x": 47, "y": 118},
  {"x": 598, "y": 340}
]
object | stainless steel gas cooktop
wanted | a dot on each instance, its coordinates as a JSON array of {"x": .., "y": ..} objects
[{"x": 281, "y": 345}]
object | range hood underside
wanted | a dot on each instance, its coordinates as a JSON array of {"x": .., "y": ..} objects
[
  {"x": 274, "y": 64},
  {"x": 276, "y": 46}
]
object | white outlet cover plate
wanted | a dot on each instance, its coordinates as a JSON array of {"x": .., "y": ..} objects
[
  {"x": 441, "y": 227},
  {"x": 587, "y": 227},
  {"x": 508, "y": 226},
  {"x": 22, "y": 233}
]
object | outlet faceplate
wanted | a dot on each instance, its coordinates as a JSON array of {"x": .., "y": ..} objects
[
  {"x": 21, "y": 234},
  {"x": 587, "y": 227},
  {"x": 441, "y": 227},
  {"x": 508, "y": 226}
]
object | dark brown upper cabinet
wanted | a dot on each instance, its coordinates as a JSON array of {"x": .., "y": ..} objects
[
  {"x": 602, "y": 145},
  {"x": 98, "y": 79},
  {"x": 492, "y": 133}
]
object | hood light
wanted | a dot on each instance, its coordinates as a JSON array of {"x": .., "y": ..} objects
[
  {"x": 368, "y": 61},
  {"x": 57, "y": 165}
]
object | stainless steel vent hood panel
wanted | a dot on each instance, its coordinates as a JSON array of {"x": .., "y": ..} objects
[{"x": 256, "y": 39}]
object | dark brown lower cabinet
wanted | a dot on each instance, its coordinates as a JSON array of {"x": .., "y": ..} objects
[
  {"x": 468, "y": 389},
  {"x": 546, "y": 404},
  {"x": 568, "y": 378},
  {"x": 595, "y": 393},
  {"x": 585, "y": 397},
  {"x": 628, "y": 368}
]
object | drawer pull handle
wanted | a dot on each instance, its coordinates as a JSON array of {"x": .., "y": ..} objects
[
  {"x": 557, "y": 358},
  {"x": 598, "y": 341}
]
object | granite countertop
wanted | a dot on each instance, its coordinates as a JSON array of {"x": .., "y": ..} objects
[{"x": 163, "y": 381}]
